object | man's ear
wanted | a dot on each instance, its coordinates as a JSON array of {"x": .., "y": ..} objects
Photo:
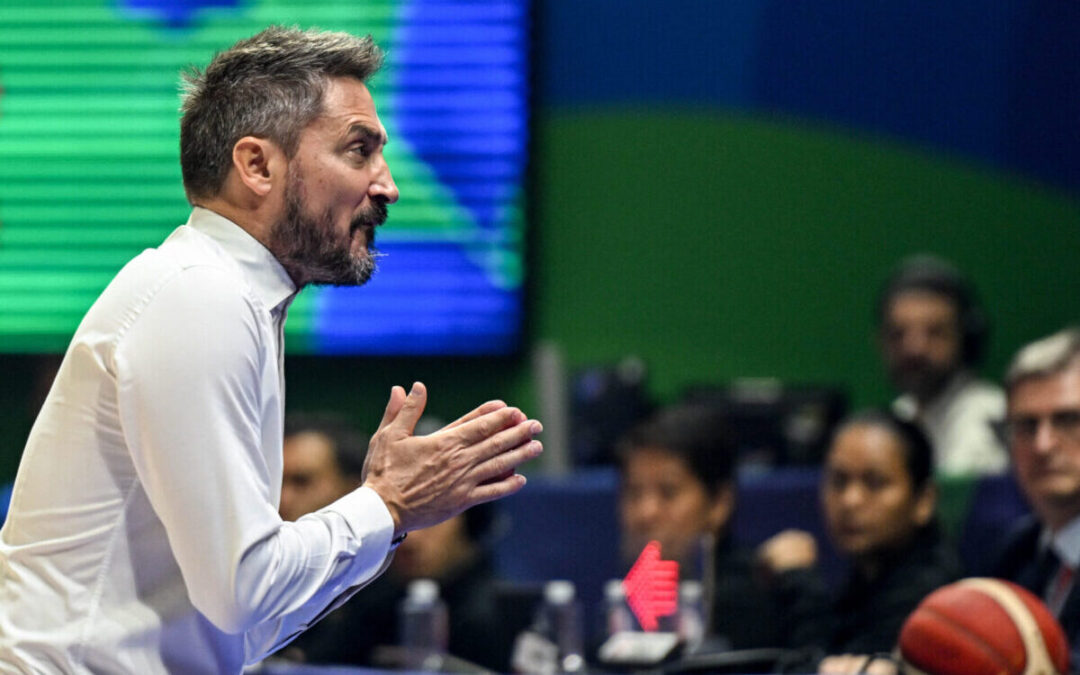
[{"x": 258, "y": 163}]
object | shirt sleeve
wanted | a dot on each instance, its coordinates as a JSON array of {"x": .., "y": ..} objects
[{"x": 191, "y": 401}]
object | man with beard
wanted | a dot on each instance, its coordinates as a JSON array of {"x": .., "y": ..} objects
[
  {"x": 932, "y": 334},
  {"x": 144, "y": 534}
]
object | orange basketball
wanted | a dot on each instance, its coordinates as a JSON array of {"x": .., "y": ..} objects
[{"x": 983, "y": 626}]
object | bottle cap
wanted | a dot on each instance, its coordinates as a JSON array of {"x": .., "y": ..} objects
[
  {"x": 559, "y": 592},
  {"x": 690, "y": 590},
  {"x": 614, "y": 591},
  {"x": 423, "y": 590}
]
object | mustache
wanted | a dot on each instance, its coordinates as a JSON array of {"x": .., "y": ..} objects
[
  {"x": 372, "y": 217},
  {"x": 914, "y": 363}
]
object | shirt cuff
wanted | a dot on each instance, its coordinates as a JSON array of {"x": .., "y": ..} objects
[{"x": 370, "y": 522}]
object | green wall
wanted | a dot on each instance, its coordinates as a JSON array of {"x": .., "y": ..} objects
[{"x": 717, "y": 246}]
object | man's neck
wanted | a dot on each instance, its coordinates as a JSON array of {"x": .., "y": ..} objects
[{"x": 248, "y": 217}]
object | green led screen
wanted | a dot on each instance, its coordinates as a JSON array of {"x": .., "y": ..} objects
[{"x": 89, "y": 169}]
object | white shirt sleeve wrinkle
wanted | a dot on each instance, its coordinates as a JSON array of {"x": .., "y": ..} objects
[
  {"x": 362, "y": 527},
  {"x": 190, "y": 374},
  {"x": 144, "y": 536}
]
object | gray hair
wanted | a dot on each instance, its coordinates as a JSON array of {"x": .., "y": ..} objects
[
  {"x": 1048, "y": 356},
  {"x": 271, "y": 86}
]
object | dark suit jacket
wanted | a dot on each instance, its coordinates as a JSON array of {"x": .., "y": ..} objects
[{"x": 1017, "y": 562}]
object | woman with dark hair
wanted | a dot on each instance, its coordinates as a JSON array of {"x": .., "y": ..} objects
[
  {"x": 677, "y": 487},
  {"x": 879, "y": 500}
]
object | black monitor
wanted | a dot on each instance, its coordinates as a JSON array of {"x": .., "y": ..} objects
[{"x": 775, "y": 423}]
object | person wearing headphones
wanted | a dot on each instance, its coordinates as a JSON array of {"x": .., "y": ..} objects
[{"x": 932, "y": 335}]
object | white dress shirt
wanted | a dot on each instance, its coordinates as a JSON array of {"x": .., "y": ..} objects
[
  {"x": 143, "y": 535},
  {"x": 961, "y": 422}
]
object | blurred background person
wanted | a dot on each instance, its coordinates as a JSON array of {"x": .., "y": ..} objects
[
  {"x": 1043, "y": 552},
  {"x": 323, "y": 460},
  {"x": 879, "y": 501},
  {"x": 677, "y": 487},
  {"x": 456, "y": 555},
  {"x": 933, "y": 335}
]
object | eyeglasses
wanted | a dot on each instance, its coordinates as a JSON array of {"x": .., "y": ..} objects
[{"x": 1023, "y": 428}]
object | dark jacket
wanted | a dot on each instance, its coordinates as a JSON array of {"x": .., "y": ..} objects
[
  {"x": 351, "y": 634},
  {"x": 744, "y": 613},
  {"x": 1017, "y": 561},
  {"x": 866, "y": 615}
]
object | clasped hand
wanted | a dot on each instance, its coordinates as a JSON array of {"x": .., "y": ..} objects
[{"x": 424, "y": 480}]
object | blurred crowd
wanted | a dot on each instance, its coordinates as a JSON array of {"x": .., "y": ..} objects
[{"x": 677, "y": 468}]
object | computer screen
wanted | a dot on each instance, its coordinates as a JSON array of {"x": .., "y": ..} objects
[{"x": 90, "y": 176}]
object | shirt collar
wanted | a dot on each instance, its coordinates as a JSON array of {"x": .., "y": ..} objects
[
  {"x": 1066, "y": 542},
  {"x": 268, "y": 279},
  {"x": 950, "y": 391}
]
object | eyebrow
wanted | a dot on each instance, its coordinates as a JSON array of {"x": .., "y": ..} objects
[{"x": 368, "y": 132}]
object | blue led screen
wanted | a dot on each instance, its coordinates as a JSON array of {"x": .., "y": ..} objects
[{"x": 89, "y": 168}]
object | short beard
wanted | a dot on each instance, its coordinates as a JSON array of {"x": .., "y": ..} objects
[
  {"x": 922, "y": 380},
  {"x": 311, "y": 250}
]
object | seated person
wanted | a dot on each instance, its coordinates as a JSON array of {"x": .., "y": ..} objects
[
  {"x": 1043, "y": 552},
  {"x": 879, "y": 500},
  {"x": 933, "y": 334},
  {"x": 322, "y": 461},
  {"x": 677, "y": 487}
]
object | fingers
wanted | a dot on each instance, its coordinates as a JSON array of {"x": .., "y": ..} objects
[
  {"x": 502, "y": 429},
  {"x": 502, "y": 465},
  {"x": 790, "y": 549},
  {"x": 393, "y": 406},
  {"x": 849, "y": 664},
  {"x": 483, "y": 409},
  {"x": 521, "y": 434},
  {"x": 489, "y": 492},
  {"x": 411, "y": 409}
]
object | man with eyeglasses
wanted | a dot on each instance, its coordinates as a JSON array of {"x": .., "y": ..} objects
[{"x": 1043, "y": 430}]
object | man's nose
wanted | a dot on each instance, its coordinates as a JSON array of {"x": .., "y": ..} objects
[
  {"x": 383, "y": 185},
  {"x": 646, "y": 512},
  {"x": 914, "y": 343},
  {"x": 1046, "y": 436},
  {"x": 852, "y": 496}
]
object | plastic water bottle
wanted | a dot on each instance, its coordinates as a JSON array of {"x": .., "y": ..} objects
[
  {"x": 617, "y": 615},
  {"x": 424, "y": 626},
  {"x": 553, "y": 643},
  {"x": 563, "y": 616},
  {"x": 691, "y": 615}
]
